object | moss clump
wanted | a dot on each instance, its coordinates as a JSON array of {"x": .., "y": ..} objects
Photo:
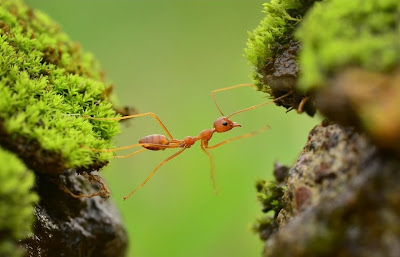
[
  {"x": 274, "y": 31},
  {"x": 340, "y": 33},
  {"x": 44, "y": 77},
  {"x": 16, "y": 210},
  {"x": 270, "y": 195}
]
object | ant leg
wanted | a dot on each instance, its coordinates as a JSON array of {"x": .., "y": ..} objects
[
  {"x": 302, "y": 103},
  {"x": 154, "y": 171},
  {"x": 133, "y": 146},
  {"x": 134, "y": 116},
  {"x": 259, "y": 105},
  {"x": 143, "y": 149},
  {"x": 66, "y": 190},
  {"x": 114, "y": 149},
  {"x": 228, "y": 88},
  {"x": 253, "y": 133},
  {"x": 132, "y": 154},
  {"x": 103, "y": 190},
  {"x": 210, "y": 157}
]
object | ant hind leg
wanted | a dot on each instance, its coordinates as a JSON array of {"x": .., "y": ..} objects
[
  {"x": 154, "y": 171},
  {"x": 131, "y": 154},
  {"x": 113, "y": 149},
  {"x": 102, "y": 191}
]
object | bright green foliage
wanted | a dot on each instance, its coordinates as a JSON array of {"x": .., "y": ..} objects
[
  {"x": 16, "y": 210},
  {"x": 44, "y": 77},
  {"x": 340, "y": 33},
  {"x": 282, "y": 17}
]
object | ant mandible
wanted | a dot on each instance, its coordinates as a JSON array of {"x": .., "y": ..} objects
[{"x": 158, "y": 142}]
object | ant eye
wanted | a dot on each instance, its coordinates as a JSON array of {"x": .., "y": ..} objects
[{"x": 225, "y": 123}]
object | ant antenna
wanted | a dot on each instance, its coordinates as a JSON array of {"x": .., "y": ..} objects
[
  {"x": 228, "y": 88},
  {"x": 258, "y": 105}
]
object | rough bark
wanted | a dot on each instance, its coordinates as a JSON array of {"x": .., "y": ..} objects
[
  {"x": 342, "y": 199},
  {"x": 70, "y": 227}
]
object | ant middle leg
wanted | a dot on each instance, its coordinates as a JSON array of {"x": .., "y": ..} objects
[
  {"x": 203, "y": 146},
  {"x": 134, "y": 116}
]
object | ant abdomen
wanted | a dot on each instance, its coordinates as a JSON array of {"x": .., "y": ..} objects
[{"x": 156, "y": 139}]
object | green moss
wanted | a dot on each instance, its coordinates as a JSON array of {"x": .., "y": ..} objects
[
  {"x": 270, "y": 195},
  {"x": 282, "y": 18},
  {"x": 340, "y": 33},
  {"x": 16, "y": 210},
  {"x": 44, "y": 76}
]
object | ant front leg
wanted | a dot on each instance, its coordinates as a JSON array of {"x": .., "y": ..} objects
[
  {"x": 249, "y": 108},
  {"x": 247, "y": 135},
  {"x": 302, "y": 103},
  {"x": 228, "y": 88}
]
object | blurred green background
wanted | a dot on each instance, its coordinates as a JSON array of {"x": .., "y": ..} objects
[{"x": 166, "y": 57}]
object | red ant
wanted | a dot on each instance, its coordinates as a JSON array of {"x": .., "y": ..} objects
[{"x": 158, "y": 142}]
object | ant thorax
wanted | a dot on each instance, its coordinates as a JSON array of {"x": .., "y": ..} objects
[{"x": 206, "y": 134}]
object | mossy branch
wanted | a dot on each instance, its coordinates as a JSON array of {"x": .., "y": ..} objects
[{"x": 44, "y": 78}]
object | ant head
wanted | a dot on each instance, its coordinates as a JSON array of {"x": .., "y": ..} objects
[{"x": 223, "y": 124}]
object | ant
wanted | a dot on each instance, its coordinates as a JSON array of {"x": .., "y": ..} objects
[{"x": 157, "y": 142}]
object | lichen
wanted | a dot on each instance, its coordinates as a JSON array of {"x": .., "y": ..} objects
[
  {"x": 16, "y": 203},
  {"x": 340, "y": 33},
  {"x": 45, "y": 81}
]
